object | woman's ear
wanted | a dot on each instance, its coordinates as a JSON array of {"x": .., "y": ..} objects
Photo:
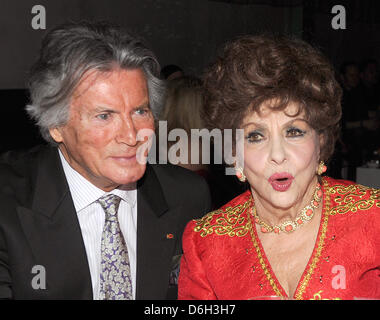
[{"x": 322, "y": 140}]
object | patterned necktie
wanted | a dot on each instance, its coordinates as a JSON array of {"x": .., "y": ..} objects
[{"x": 115, "y": 274}]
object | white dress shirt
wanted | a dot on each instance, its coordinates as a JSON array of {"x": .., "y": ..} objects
[{"x": 91, "y": 218}]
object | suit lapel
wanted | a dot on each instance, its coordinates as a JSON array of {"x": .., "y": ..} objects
[
  {"x": 53, "y": 232},
  {"x": 154, "y": 248}
]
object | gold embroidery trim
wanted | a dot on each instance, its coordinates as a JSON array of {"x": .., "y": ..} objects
[
  {"x": 261, "y": 258},
  {"x": 231, "y": 222},
  {"x": 318, "y": 296},
  {"x": 318, "y": 251},
  {"x": 302, "y": 287},
  {"x": 350, "y": 198}
]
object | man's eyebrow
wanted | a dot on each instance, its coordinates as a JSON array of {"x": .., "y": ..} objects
[
  {"x": 143, "y": 105},
  {"x": 104, "y": 109},
  {"x": 110, "y": 110}
]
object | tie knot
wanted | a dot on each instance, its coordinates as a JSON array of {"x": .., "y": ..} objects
[{"x": 110, "y": 204}]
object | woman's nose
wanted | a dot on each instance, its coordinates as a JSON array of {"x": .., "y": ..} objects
[{"x": 277, "y": 150}]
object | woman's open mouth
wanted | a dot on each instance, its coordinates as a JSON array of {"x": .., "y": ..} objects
[{"x": 281, "y": 181}]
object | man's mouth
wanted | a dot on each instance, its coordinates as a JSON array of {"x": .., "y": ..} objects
[{"x": 125, "y": 159}]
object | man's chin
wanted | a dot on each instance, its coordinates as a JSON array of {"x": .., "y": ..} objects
[{"x": 130, "y": 178}]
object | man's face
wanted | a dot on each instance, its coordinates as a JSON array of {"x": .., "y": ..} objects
[{"x": 100, "y": 138}]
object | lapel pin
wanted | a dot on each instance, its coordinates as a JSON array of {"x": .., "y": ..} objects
[{"x": 169, "y": 236}]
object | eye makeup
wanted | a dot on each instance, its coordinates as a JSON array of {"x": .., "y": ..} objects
[
  {"x": 254, "y": 136},
  {"x": 294, "y": 132}
]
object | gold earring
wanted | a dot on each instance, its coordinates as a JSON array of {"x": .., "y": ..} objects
[
  {"x": 240, "y": 175},
  {"x": 322, "y": 168}
]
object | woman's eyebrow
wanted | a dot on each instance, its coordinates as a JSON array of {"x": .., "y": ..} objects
[
  {"x": 294, "y": 120},
  {"x": 260, "y": 125},
  {"x": 256, "y": 124}
]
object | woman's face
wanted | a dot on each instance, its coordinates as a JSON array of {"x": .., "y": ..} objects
[{"x": 281, "y": 156}]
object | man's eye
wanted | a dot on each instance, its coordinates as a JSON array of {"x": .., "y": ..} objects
[
  {"x": 254, "y": 137},
  {"x": 143, "y": 111},
  {"x": 103, "y": 116},
  {"x": 295, "y": 132}
]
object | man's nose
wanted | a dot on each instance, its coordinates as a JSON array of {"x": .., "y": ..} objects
[{"x": 127, "y": 133}]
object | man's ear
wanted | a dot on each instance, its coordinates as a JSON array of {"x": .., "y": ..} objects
[{"x": 56, "y": 135}]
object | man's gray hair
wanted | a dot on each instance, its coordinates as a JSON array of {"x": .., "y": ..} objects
[{"x": 72, "y": 49}]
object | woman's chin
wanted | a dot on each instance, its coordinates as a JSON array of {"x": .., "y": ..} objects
[{"x": 279, "y": 200}]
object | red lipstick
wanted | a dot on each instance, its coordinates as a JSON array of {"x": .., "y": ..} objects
[{"x": 281, "y": 181}]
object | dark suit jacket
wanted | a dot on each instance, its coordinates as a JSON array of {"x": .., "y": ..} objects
[{"x": 39, "y": 227}]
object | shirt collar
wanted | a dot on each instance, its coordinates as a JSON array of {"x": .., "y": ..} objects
[{"x": 84, "y": 193}]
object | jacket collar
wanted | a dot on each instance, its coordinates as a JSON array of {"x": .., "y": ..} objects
[
  {"x": 52, "y": 187},
  {"x": 149, "y": 190}
]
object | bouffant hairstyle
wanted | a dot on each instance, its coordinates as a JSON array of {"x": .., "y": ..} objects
[{"x": 252, "y": 70}]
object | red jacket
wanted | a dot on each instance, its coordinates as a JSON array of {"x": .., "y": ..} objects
[{"x": 224, "y": 259}]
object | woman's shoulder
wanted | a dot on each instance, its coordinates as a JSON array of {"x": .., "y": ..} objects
[
  {"x": 332, "y": 182},
  {"x": 347, "y": 197},
  {"x": 231, "y": 219}
]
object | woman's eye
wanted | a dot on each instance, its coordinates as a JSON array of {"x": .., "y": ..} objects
[
  {"x": 295, "y": 132},
  {"x": 253, "y": 137}
]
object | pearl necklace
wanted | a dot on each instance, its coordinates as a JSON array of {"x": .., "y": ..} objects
[{"x": 288, "y": 226}]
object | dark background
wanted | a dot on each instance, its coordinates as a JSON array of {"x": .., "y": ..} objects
[{"x": 186, "y": 33}]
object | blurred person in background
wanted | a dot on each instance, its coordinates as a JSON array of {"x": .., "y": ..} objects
[{"x": 182, "y": 110}]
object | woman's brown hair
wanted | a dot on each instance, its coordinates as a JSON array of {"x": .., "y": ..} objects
[{"x": 252, "y": 70}]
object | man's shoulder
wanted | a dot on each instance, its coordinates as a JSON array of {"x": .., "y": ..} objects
[
  {"x": 19, "y": 159},
  {"x": 18, "y": 169},
  {"x": 177, "y": 176},
  {"x": 183, "y": 187}
]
